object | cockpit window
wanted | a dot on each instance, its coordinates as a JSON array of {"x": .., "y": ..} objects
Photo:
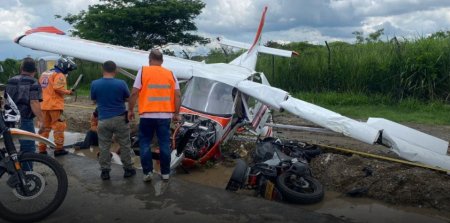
[{"x": 208, "y": 96}]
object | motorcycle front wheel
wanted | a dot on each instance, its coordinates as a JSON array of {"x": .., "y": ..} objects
[
  {"x": 238, "y": 177},
  {"x": 300, "y": 189},
  {"x": 45, "y": 189}
]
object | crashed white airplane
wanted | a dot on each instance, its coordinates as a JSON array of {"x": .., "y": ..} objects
[{"x": 240, "y": 74}]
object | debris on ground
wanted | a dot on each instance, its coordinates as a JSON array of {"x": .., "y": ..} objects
[
  {"x": 357, "y": 192},
  {"x": 390, "y": 182}
]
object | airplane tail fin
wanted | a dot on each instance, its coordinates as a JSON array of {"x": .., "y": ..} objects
[
  {"x": 248, "y": 59},
  {"x": 257, "y": 40}
]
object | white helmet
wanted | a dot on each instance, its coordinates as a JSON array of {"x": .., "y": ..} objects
[{"x": 12, "y": 113}]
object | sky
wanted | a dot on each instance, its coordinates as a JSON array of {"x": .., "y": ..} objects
[{"x": 287, "y": 20}]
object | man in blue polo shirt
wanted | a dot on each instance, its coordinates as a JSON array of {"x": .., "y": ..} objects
[{"x": 110, "y": 95}]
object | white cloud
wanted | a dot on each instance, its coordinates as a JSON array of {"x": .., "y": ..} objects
[
  {"x": 15, "y": 21},
  {"x": 287, "y": 20},
  {"x": 17, "y": 16},
  {"x": 310, "y": 35},
  {"x": 226, "y": 15},
  {"x": 299, "y": 20},
  {"x": 72, "y": 6},
  {"x": 412, "y": 24}
]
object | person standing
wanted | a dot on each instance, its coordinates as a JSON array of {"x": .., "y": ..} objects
[
  {"x": 26, "y": 93},
  {"x": 54, "y": 86},
  {"x": 159, "y": 102},
  {"x": 110, "y": 95}
]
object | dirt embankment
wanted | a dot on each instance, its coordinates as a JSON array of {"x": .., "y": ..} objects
[
  {"x": 78, "y": 113},
  {"x": 391, "y": 182},
  {"x": 78, "y": 118},
  {"x": 387, "y": 181}
]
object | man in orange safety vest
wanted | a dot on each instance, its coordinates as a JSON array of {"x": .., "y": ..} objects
[{"x": 159, "y": 102}]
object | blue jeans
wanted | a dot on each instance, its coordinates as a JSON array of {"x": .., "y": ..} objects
[
  {"x": 27, "y": 145},
  {"x": 147, "y": 127}
]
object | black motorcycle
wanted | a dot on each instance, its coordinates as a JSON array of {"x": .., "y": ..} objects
[
  {"x": 279, "y": 171},
  {"x": 32, "y": 186}
]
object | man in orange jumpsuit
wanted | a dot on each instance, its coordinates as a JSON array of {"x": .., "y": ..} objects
[{"x": 54, "y": 87}]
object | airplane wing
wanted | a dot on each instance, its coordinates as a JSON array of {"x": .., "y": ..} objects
[
  {"x": 408, "y": 143},
  {"x": 281, "y": 100},
  {"x": 54, "y": 41}
]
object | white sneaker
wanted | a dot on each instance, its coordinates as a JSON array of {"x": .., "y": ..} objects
[
  {"x": 148, "y": 177},
  {"x": 165, "y": 176}
]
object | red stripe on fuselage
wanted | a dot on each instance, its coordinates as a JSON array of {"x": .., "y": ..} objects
[{"x": 259, "y": 115}]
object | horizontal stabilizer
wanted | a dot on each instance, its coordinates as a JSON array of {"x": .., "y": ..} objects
[{"x": 260, "y": 49}]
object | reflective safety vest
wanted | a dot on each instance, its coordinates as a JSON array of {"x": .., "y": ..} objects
[{"x": 157, "y": 94}]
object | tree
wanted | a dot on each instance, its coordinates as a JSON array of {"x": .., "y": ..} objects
[
  {"x": 375, "y": 36},
  {"x": 10, "y": 68},
  {"x": 141, "y": 24},
  {"x": 359, "y": 36},
  {"x": 440, "y": 35}
]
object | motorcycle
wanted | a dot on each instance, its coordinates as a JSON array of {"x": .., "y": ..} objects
[
  {"x": 32, "y": 186},
  {"x": 279, "y": 171}
]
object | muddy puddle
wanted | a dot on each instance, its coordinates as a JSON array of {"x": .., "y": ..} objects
[
  {"x": 71, "y": 138},
  {"x": 334, "y": 203}
]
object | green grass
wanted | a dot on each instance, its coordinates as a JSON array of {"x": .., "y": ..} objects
[
  {"x": 361, "y": 106},
  {"x": 396, "y": 113},
  {"x": 418, "y": 68}
]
